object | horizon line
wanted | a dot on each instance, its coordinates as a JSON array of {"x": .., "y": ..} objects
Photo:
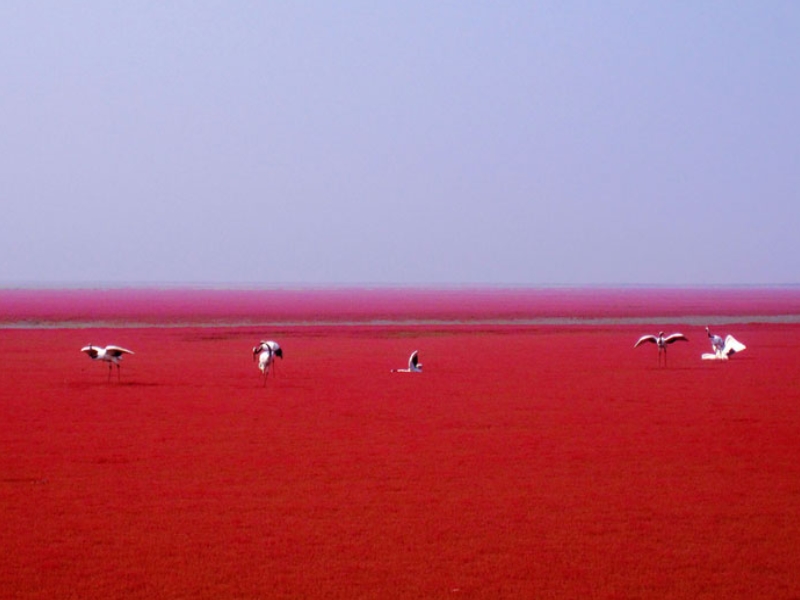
[{"x": 234, "y": 286}]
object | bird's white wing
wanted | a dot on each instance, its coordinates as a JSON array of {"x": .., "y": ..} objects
[
  {"x": 117, "y": 351},
  {"x": 732, "y": 346},
  {"x": 675, "y": 337},
  {"x": 264, "y": 358},
  {"x": 91, "y": 350},
  {"x": 413, "y": 359},
  {"x": 646, "y": 338}
]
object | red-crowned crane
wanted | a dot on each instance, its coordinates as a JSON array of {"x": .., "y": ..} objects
[
  {"x": 717, "y": 343},
  {"x": 111, "y": 354},
  {"x": 722, "y": 349},
  {"x": 266, "y": 351},
  {"x": 661, "y": 342}
]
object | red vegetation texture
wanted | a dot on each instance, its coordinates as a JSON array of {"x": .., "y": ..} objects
[
  {"x": 160, "y": 306},
  {"x": 527, "y": 461}
]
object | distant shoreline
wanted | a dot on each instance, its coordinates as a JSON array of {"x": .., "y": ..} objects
[{"x": 410, "y": 306}]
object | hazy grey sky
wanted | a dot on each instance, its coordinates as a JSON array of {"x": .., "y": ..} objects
[{"x": 411, "y": 142}]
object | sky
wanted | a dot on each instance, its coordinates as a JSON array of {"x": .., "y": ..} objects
[{"x": 409, "y": 143}]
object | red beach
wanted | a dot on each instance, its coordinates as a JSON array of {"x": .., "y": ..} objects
[{"x": 538, "y": 455}]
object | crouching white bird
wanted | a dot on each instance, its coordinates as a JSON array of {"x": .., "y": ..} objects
[
  {"x": 722, "y": 349},
  {"x": 661, "y": 342},
  {"x": 111, "y": 354},
  {"x": 265, "y": 352},
  {"x": 414, "y": 366}
]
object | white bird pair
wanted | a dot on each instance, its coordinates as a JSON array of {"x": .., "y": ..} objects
[
  {"x": 723, "y": 349},
  {"x": 266, "y": 351}
]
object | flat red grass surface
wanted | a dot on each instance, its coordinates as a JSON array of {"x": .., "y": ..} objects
[
  {"x": 158, "y": 306},
  {"x": 526, "y": 461}
]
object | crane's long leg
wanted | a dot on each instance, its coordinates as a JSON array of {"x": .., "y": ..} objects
[{"x": 109, "y": 372}]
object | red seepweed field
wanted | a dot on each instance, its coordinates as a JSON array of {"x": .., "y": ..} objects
[{"x": 538, "y": 455}]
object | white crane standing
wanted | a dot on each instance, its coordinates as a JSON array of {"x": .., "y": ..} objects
[
  {"x": 661, "y": 342},
  {"x": 265, "y": 352},
  {"x": 110, "y": 354}
]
